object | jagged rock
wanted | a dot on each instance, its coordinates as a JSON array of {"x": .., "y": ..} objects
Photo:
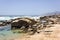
[{"x": 26, "y": 22}]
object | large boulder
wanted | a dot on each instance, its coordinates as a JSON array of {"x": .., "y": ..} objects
[{"x": 23, "y": 22}]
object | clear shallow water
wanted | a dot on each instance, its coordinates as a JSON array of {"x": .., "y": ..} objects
[{"x": 6, "y": 33}]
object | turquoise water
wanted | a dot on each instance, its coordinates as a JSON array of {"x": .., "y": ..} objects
[{"x": 6, "y": 33}]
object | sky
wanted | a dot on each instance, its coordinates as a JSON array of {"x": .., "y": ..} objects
[{"x": 28, "y": 7}]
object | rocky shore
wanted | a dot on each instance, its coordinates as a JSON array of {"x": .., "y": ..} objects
[
  {"x": 31, "y": 29},
  {"x": 31, "y": 24}
]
